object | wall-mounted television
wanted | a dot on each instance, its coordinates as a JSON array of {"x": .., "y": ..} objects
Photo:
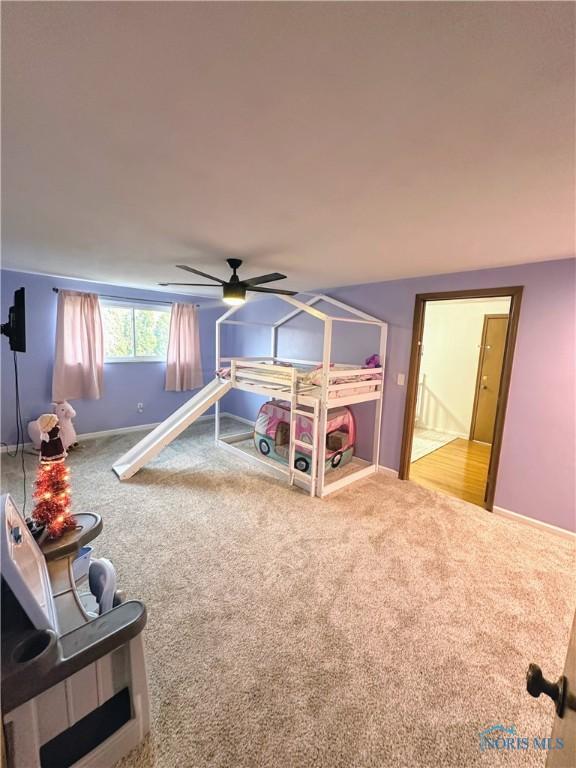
[{"x": 15, "y": 328}]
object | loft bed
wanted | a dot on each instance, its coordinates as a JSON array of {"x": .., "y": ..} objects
[
  {"x": 273, "y": 376},
  {"x": 311, "y": 388},
  {"x": 307, "y": 402}
]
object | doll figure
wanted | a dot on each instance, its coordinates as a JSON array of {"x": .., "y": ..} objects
[{"x": 51, "y": 448}]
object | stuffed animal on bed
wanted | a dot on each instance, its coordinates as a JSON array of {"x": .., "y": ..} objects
[
  {"x": 65, "y": 414},
  {"x": 372, "y": 362}
]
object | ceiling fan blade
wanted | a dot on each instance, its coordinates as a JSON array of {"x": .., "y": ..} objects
[
  {"x": 195, "y": 285},
  {"x": 271, "y": 290},
  {"x": 202, "y": 274},
  {"x": 264, "y": 279}
]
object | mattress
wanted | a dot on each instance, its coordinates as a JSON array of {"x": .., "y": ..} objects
[{"x": 308, "y": 379}]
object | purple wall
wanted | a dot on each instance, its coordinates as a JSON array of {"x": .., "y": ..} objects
[
  {"x": 125, "y": 384},
  {"x": 536, "y": 476},
  {"x": 538, "y": 454}
]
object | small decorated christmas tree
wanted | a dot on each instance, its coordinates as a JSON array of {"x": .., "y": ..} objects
[{"x": 52, "y": 491}]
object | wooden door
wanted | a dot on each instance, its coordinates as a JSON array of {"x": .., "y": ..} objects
[
  {"x": 490, "y": 362},
  {"x": 561, "y": 745},
  {"x": 564, "y": 727}
]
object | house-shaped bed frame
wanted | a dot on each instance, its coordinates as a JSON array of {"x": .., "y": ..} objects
[
  {"x": 339, "y": 386},
  {"x": 262, "y": 376}
]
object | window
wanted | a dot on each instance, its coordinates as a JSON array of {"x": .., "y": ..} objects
[{"x": 135, "y": 333}]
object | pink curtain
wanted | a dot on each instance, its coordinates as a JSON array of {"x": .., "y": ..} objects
[
  {"x": 79, "y": 357},
  {"x": 183, "y": 364}
]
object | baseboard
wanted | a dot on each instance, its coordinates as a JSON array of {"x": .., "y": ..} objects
[
  {"x": 112, "y": 432},
  {"x": 12, "y": 448},
  {"x": 501, "y": 512},
  {"x": 119, "y": 431},
  {"x": 387, "y": 471},
  {"x": 127, "y": 430},
  {"x": 242, "y": 419},
  {"x": 137, "y": 428}
]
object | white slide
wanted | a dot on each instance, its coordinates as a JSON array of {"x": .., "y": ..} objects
[{"x": 151, "y": 445}]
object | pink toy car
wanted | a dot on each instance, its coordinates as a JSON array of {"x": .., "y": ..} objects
[{"x": 272, "y": 435}]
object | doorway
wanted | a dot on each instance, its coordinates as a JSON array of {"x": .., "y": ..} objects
[{"x": 460, "y": 367}]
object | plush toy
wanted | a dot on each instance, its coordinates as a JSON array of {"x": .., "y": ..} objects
[
  {"x": 65, "y": 414},
  {"x": 34, "y": 433},
  {"x": 372, "y": 362},
  {"x": 51, "y": 448}
]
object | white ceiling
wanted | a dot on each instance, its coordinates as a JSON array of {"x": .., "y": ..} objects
[{"x": 337, "y": 142}]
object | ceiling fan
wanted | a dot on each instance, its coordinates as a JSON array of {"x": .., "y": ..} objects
[{"x": 234, "y": 289}]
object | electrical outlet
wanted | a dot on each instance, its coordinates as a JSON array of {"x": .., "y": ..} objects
[
  {"x": 140, "y": 407},
  {"x": 401, "y": 379}
]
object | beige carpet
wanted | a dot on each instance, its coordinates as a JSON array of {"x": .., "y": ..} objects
[{"x": 385, "y": 626}]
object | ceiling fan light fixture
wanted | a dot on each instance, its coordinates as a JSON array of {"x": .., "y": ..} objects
[
  {"x": 233, "y": 294},
  {"x": 234, "y": 289}
]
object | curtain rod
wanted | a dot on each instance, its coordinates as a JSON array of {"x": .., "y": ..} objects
[{"x": 125, "y": 298}]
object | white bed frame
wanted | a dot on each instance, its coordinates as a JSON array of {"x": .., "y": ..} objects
[{"x": 252, "y": 374}]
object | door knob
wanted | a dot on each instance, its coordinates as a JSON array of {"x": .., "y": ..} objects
[{"x": 536, "y": 684}]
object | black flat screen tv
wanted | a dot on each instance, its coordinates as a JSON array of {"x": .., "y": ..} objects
[{"x": 15, "y": 328}]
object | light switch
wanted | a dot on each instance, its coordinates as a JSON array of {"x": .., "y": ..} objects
[{"x": 401, "y": 379}]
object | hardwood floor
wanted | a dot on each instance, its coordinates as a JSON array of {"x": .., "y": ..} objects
[{"x": 459, "y": 468}]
